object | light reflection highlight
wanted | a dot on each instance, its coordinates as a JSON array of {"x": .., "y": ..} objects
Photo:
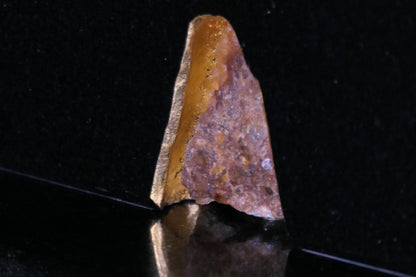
[{"x": 216, "y": 240}]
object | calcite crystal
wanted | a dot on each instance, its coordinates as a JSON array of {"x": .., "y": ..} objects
[{"x": 216, "y": 145}]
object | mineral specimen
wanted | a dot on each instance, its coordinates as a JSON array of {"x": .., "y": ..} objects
[{"x": 216, "y": 145}]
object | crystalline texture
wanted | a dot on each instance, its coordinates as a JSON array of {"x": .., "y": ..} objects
[{"x": 216, "y": 146}]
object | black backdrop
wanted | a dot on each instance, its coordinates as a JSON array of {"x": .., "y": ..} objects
[{"x": 86, "y": 89}]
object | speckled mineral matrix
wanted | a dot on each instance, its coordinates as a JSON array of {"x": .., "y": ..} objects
[{"x": 221, "y": 150}]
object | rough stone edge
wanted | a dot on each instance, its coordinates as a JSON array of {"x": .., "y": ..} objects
[{"x": 159, "y": 178}]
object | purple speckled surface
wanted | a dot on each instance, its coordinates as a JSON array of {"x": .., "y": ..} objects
[{"x": 229, "y": 158}]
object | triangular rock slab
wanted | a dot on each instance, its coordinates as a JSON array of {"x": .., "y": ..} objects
[{"x": 227, "y": 155}]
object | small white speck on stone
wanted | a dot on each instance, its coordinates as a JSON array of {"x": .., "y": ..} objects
[
  {"x": 266, "y": 164},
  {"x": 228, "y": 95}
]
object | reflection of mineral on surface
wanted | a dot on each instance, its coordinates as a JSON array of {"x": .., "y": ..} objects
[
  {"x": 201, "y": 241},
  {"x": 217, "y": 146}
]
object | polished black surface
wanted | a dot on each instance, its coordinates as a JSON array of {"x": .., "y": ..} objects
[
  {"x": 50, "y": 231},
  {"x": 86, "y": 87},
  {"x": 301, "y": 263}
]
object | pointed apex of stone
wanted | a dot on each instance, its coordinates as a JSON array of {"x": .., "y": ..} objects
[{"x": 216, "y": 145}]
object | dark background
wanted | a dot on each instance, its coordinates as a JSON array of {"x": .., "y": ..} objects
[{"x": 86, "y": 89}]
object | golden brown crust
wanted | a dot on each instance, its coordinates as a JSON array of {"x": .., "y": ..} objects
[{"x": 192, "y": 88}]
